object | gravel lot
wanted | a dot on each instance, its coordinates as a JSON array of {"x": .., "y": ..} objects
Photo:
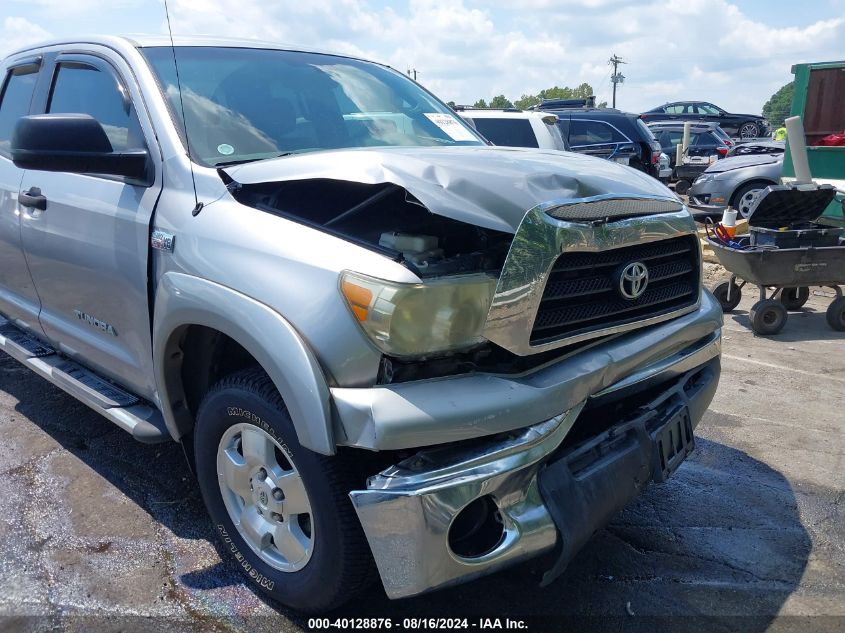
[{"x": 103, "y": 534}]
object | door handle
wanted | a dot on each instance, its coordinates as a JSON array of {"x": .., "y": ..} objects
[{"x": 33, "y": 198}]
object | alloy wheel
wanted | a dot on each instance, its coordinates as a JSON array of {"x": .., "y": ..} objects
[
  {"x": 749, "y": 130},
  {"x": 265, "y": 497},
  {"x": 746, "y": 201}
]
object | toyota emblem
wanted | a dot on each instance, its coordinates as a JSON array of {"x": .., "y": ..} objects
[{"x": 633, "y": 280}]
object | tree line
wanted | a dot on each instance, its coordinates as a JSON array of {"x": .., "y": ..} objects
[{"x": 526, "y": 101}]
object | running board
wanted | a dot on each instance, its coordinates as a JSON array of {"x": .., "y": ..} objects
[
  {"x": 20, "y": 345},
  {"x": 142, "y": 421}
]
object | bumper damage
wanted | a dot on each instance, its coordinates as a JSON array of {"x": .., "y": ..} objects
[
  {"x": 422, "y": 413},
  {"x": 452, "y": 513}
]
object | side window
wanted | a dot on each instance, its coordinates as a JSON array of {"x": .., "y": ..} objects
[
  {"x": 708, "y": 139},
  {"x": 593, "y": 133},
  {"x": 82, "y": 89},
  {"x": 507, "y": 132},
  {"x": 675, "y": 108},
  {"x": 15, "y": 97}
]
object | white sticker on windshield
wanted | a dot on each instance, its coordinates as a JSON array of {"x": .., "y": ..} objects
[
  {"x": 225, "y": 149},
  {"x": 451, "y": 126}
]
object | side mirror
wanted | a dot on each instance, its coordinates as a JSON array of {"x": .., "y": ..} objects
[{"x": 74, "y": 143}]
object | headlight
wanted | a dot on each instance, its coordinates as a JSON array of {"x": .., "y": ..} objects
[
  {"x": 420, "y": 319},
  {"x": 703, "y": 178}
]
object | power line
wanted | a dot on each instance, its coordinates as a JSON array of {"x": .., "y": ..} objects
[{"x": 616, "y": 77}]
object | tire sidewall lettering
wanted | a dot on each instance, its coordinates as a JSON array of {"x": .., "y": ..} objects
[
  {"x": 253, "y": 574},
  {"x": 254, "y": 418}
]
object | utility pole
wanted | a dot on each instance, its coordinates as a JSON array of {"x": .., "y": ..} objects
[
  {"x": 616, "y": 77},
  {"x": 414, "y": 71}
]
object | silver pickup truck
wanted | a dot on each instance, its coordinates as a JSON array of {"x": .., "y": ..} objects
[{"x": 384, "y": 345}]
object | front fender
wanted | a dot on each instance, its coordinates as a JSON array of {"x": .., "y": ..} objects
[{"x": 183, "y": 300}]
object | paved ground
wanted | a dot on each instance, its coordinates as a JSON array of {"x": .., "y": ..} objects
[{"x": 103, "y": 534}]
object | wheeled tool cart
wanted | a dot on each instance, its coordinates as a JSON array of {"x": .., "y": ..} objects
[{"x": 784, "y": 254}]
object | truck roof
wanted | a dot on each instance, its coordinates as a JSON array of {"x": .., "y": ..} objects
[{"x": 149, "y": 40}]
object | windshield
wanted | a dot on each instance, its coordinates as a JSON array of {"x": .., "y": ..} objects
[{"x": 243, "y": 104}]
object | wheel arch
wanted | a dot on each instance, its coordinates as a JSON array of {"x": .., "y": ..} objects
[
  {"x": 203, "y": 331},
  {"x": 765, "y": 182}
]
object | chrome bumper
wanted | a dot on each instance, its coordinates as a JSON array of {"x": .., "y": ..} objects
[{"x": 408, "y": 509}]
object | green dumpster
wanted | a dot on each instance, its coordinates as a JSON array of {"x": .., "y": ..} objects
[{"x": 820, "y": 102}]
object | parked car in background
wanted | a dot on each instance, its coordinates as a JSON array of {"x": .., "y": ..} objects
[
  {"x": 757, "y": 147},
  {"x": 516, "y": 128},
  {"x": 607, "y": 133},
  {"x": 740, "y": 125},
  {"x": 706, "y": 139},
  {"x": 734, "y": 182}
]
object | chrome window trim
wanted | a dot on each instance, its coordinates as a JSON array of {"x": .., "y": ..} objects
[
  {"x": 541, "y": 239},
  {"x": 621, "y": 133}
]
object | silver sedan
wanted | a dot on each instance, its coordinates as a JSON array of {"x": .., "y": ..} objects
[{"x": 734, "y": 182}]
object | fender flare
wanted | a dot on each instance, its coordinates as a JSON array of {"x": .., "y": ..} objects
[{"x": 183, "y": 300}]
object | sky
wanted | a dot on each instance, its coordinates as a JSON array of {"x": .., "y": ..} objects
[{"x": 732, "y": 53}]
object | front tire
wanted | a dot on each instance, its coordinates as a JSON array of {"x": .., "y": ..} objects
[
  {"x": 682, "y": 186},
  {"x": 836, "y": 314},
  {"x": 768, "y": 317},
  {"x": 749, "y": 129},
  {"x": 744, "y": 198},
  {"x": 281, "y": 511},
  {"x": 721, "y": 291},
  {"x": 794, "y": 298}
]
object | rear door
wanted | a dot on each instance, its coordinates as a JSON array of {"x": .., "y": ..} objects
[
  {"x": 88, "y": 250},
  {"x": 599, "y": 138},
  {"x": 18, "y": 299}
]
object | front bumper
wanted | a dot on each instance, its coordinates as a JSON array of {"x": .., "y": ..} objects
[
  {"x": 709, "y": 196},
  {"x": 423, "y": 413},
  {"x": 408, "y": 510}
]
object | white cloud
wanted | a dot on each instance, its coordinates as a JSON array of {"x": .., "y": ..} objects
[
  {"x": 17, "y": 32},
  {"x": 468, "y": 49}
]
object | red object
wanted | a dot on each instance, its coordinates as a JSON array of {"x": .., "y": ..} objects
[
  {"x": 723, "y": 151},
  {"x": 834, "y": 140}
]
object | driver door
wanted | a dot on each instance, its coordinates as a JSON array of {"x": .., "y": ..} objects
[{"x": 87, "y": 249}]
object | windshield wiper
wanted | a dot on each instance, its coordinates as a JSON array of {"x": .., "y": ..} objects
[{"x": 243, "y": 161}]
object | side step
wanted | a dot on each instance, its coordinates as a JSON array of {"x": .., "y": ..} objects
[
  {"x": 21, "y": 345},
  {"x": 77, "y": 378},
  {"x": 144, "y": 422}
]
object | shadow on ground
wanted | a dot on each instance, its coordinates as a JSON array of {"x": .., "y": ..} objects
[{"x": 723, "y": 537}]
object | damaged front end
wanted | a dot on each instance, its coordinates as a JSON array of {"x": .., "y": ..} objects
[{"x": 524, "y": 396}]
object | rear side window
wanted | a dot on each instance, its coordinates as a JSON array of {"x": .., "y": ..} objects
[
  {"x": 507, "y": 132},
  {"x": 14, "y": 101},
  {"x": 83, "y": 89},
  {"x": 707, "y": 138},
  {"x": 676, "y": 108},
  {"x": 594, "y": 133},
  {"x": 706, "y": 108}
]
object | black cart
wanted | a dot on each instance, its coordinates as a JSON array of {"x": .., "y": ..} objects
[{"x": 784, "y": 254}]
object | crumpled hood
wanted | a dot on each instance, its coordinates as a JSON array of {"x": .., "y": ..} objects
[
  {"x": 738, "y": 162},
  {"x": 491, "y": 187}
]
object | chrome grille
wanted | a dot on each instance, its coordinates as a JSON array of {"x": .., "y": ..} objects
[{"x": 581, "y": 295}]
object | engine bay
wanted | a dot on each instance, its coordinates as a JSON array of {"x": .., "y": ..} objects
[{"x": 383, "y": 217}]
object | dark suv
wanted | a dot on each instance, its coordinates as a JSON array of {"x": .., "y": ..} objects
[
  {"x": 607, "y": 133},
  {"x": 739, "y": 125}
]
